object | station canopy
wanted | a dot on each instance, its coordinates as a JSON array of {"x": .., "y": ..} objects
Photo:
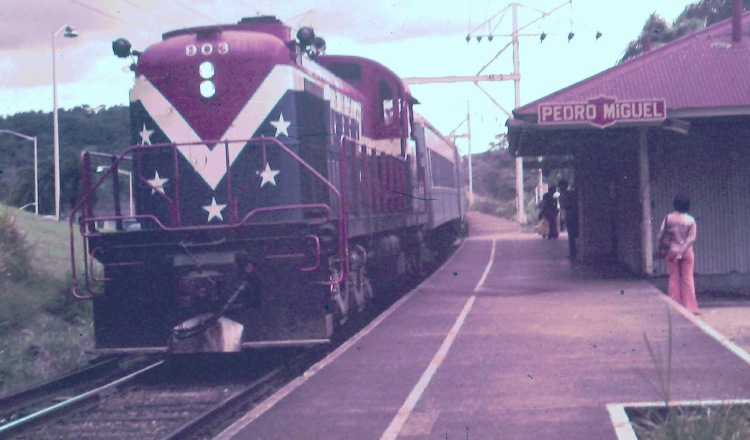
[{"x": 705, "y": 74}]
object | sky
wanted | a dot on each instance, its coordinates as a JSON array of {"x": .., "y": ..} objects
[{"x": 414, "y": 38}]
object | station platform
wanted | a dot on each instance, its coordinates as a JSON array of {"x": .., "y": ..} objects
[{"x": 508, "y": 340}]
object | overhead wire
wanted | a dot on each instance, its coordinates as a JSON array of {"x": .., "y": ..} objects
[
  {"x": 146, "y": 11},
  {"x": 197, "y": 12},
  {"x": 113, "y": 17}
]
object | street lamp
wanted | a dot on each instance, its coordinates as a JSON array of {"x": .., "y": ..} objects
[
  {"x": 103, "y": 168},
  {"x": 36, "y": 166},
  {"x": 69, "y": 33}
]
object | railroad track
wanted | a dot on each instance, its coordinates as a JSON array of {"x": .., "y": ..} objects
[
  {"x": 21, "y": 403},
  {"x": 181, "y": 397}
]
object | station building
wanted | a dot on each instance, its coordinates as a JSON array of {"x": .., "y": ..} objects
[{"x": 675, "y": 119}]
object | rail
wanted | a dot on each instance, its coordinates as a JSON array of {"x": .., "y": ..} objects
[
  {"x": 82, "y": 216},
  {"x": 48, "y": 411}
]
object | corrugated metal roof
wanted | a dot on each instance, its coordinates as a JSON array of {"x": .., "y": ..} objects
[{"x": 704, "y": 70}]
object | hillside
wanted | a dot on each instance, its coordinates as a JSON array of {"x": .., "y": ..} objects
[
  {"x": 495, "y": 184},
  {"x": 43, "y": 331}
]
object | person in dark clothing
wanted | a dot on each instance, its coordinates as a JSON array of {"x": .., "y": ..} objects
[
  {"x": 569, "y": 204},
  {"x": 253, "y": 291},
  {"x": 562, "y": 189},
  {"x": 549, "y": 211}
]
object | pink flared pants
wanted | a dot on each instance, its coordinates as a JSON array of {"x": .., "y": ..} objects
[{"x": 681, "y": 281}]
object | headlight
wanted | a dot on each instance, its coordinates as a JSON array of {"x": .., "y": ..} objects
[
  {"x": 208, "y": 89},
  {"x": 206, "y": 70}
]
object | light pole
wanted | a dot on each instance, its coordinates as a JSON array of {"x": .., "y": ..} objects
[
  {"x": 36, "y": 166},
  {"x": 69, "y": 33}
]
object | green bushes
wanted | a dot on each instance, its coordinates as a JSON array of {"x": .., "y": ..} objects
[{"x": 14, "y": 250}]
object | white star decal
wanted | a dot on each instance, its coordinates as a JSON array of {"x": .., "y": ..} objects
[
  {"x": 214, "y": 210},
  {"x": 146, "y": 135},
  {"x": 268, "y": 175},
  {"x": 157, "y": 183},
  {"x": 281, "y": 126}
]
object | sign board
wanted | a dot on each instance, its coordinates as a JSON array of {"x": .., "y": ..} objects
[{"x": 603, "y": 111}]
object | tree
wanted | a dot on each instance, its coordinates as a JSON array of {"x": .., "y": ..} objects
[
  {"x": 696, "y": 16},
  {"x": 102, "y": 129}
]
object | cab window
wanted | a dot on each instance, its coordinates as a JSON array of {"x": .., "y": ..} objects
[{"x": 386, "y": 98}]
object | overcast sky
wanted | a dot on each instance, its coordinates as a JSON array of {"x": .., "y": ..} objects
[{"x": 413, "y": 37}]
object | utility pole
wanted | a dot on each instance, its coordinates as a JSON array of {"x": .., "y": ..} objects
[
  {"x": 466, "y": 136},
  {"x": 520, "y": 204},
  {"x": 471, "y": 170},
  {"x": 515, "y": 77}
]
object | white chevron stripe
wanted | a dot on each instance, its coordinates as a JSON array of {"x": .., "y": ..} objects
[{"x": 211, "y": 164}]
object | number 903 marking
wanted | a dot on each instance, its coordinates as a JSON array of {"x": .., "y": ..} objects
[{"x": 206, "y": 49}]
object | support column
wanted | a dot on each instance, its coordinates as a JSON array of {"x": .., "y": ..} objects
[
  {"x": 520, "y": 204},
  {"x": 645, "y": 196}
]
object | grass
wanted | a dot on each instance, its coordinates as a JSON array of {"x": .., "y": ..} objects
[
  {"x": 43, "y": 331},
  {"x": 729, "y": 422},
  {"x": 675, "y": 422}
]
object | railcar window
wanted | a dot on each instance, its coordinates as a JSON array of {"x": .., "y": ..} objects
[
  {"x": 349, "y": 72},
  {"x": 442, "y": 171}
]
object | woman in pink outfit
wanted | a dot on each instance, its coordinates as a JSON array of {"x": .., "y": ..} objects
[{"x": 681, "y": 258}]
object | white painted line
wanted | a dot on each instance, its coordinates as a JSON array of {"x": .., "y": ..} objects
[
  {"x": 621, "y": 422},
  {"x": 410, "y": 403},
  {"x": 661, "y": 404},
  {"x": 287, "y": 389},
  {"x": 710, "y": 331}
]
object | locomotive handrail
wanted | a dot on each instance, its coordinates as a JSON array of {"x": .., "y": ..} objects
[{"x": 87, "y": 221}]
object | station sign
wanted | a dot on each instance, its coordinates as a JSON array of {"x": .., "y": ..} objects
[{"x": 603, "y": 111}]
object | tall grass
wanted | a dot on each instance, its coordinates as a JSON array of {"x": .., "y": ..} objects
[
  {"x": 14, "y": 250},
  {"x": 672, "y": 422},
  {"x": 43, "y": 331},
  {"x": 694, "y": 423}
]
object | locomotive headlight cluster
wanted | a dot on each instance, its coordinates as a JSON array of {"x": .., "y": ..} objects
[{"x": 207, "y": 71}]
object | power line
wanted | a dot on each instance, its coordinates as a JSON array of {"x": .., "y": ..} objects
[
  {"x": 195, "y": 11},
  {"x": 113, "y": 17},
  {"x": 158, "y": 17}
]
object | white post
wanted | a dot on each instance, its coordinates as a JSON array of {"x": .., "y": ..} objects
[
  {"x": 69, "y": 33},
  {"x": 645, "y": 190},
  {"x": 55, "y": 134},
  {"x": 36, "y": 178},
  {"x": 471, "y": 170},
  {"x": 520, "y": 205},
  {"x": 36, "y": 165}
]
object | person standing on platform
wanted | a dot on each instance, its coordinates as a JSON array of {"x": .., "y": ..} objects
[
  {"x": 569, "y": 205},
  {"x": 562, "y": 190},
  {"x": 549, "y": 211},
  {"x": 681, "y": 257}
]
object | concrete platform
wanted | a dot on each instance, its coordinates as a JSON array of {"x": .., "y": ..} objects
[{"x": 507, "y": 341}]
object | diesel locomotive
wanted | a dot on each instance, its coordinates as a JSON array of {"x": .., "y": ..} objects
[{"x": 274, "y": 192}]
